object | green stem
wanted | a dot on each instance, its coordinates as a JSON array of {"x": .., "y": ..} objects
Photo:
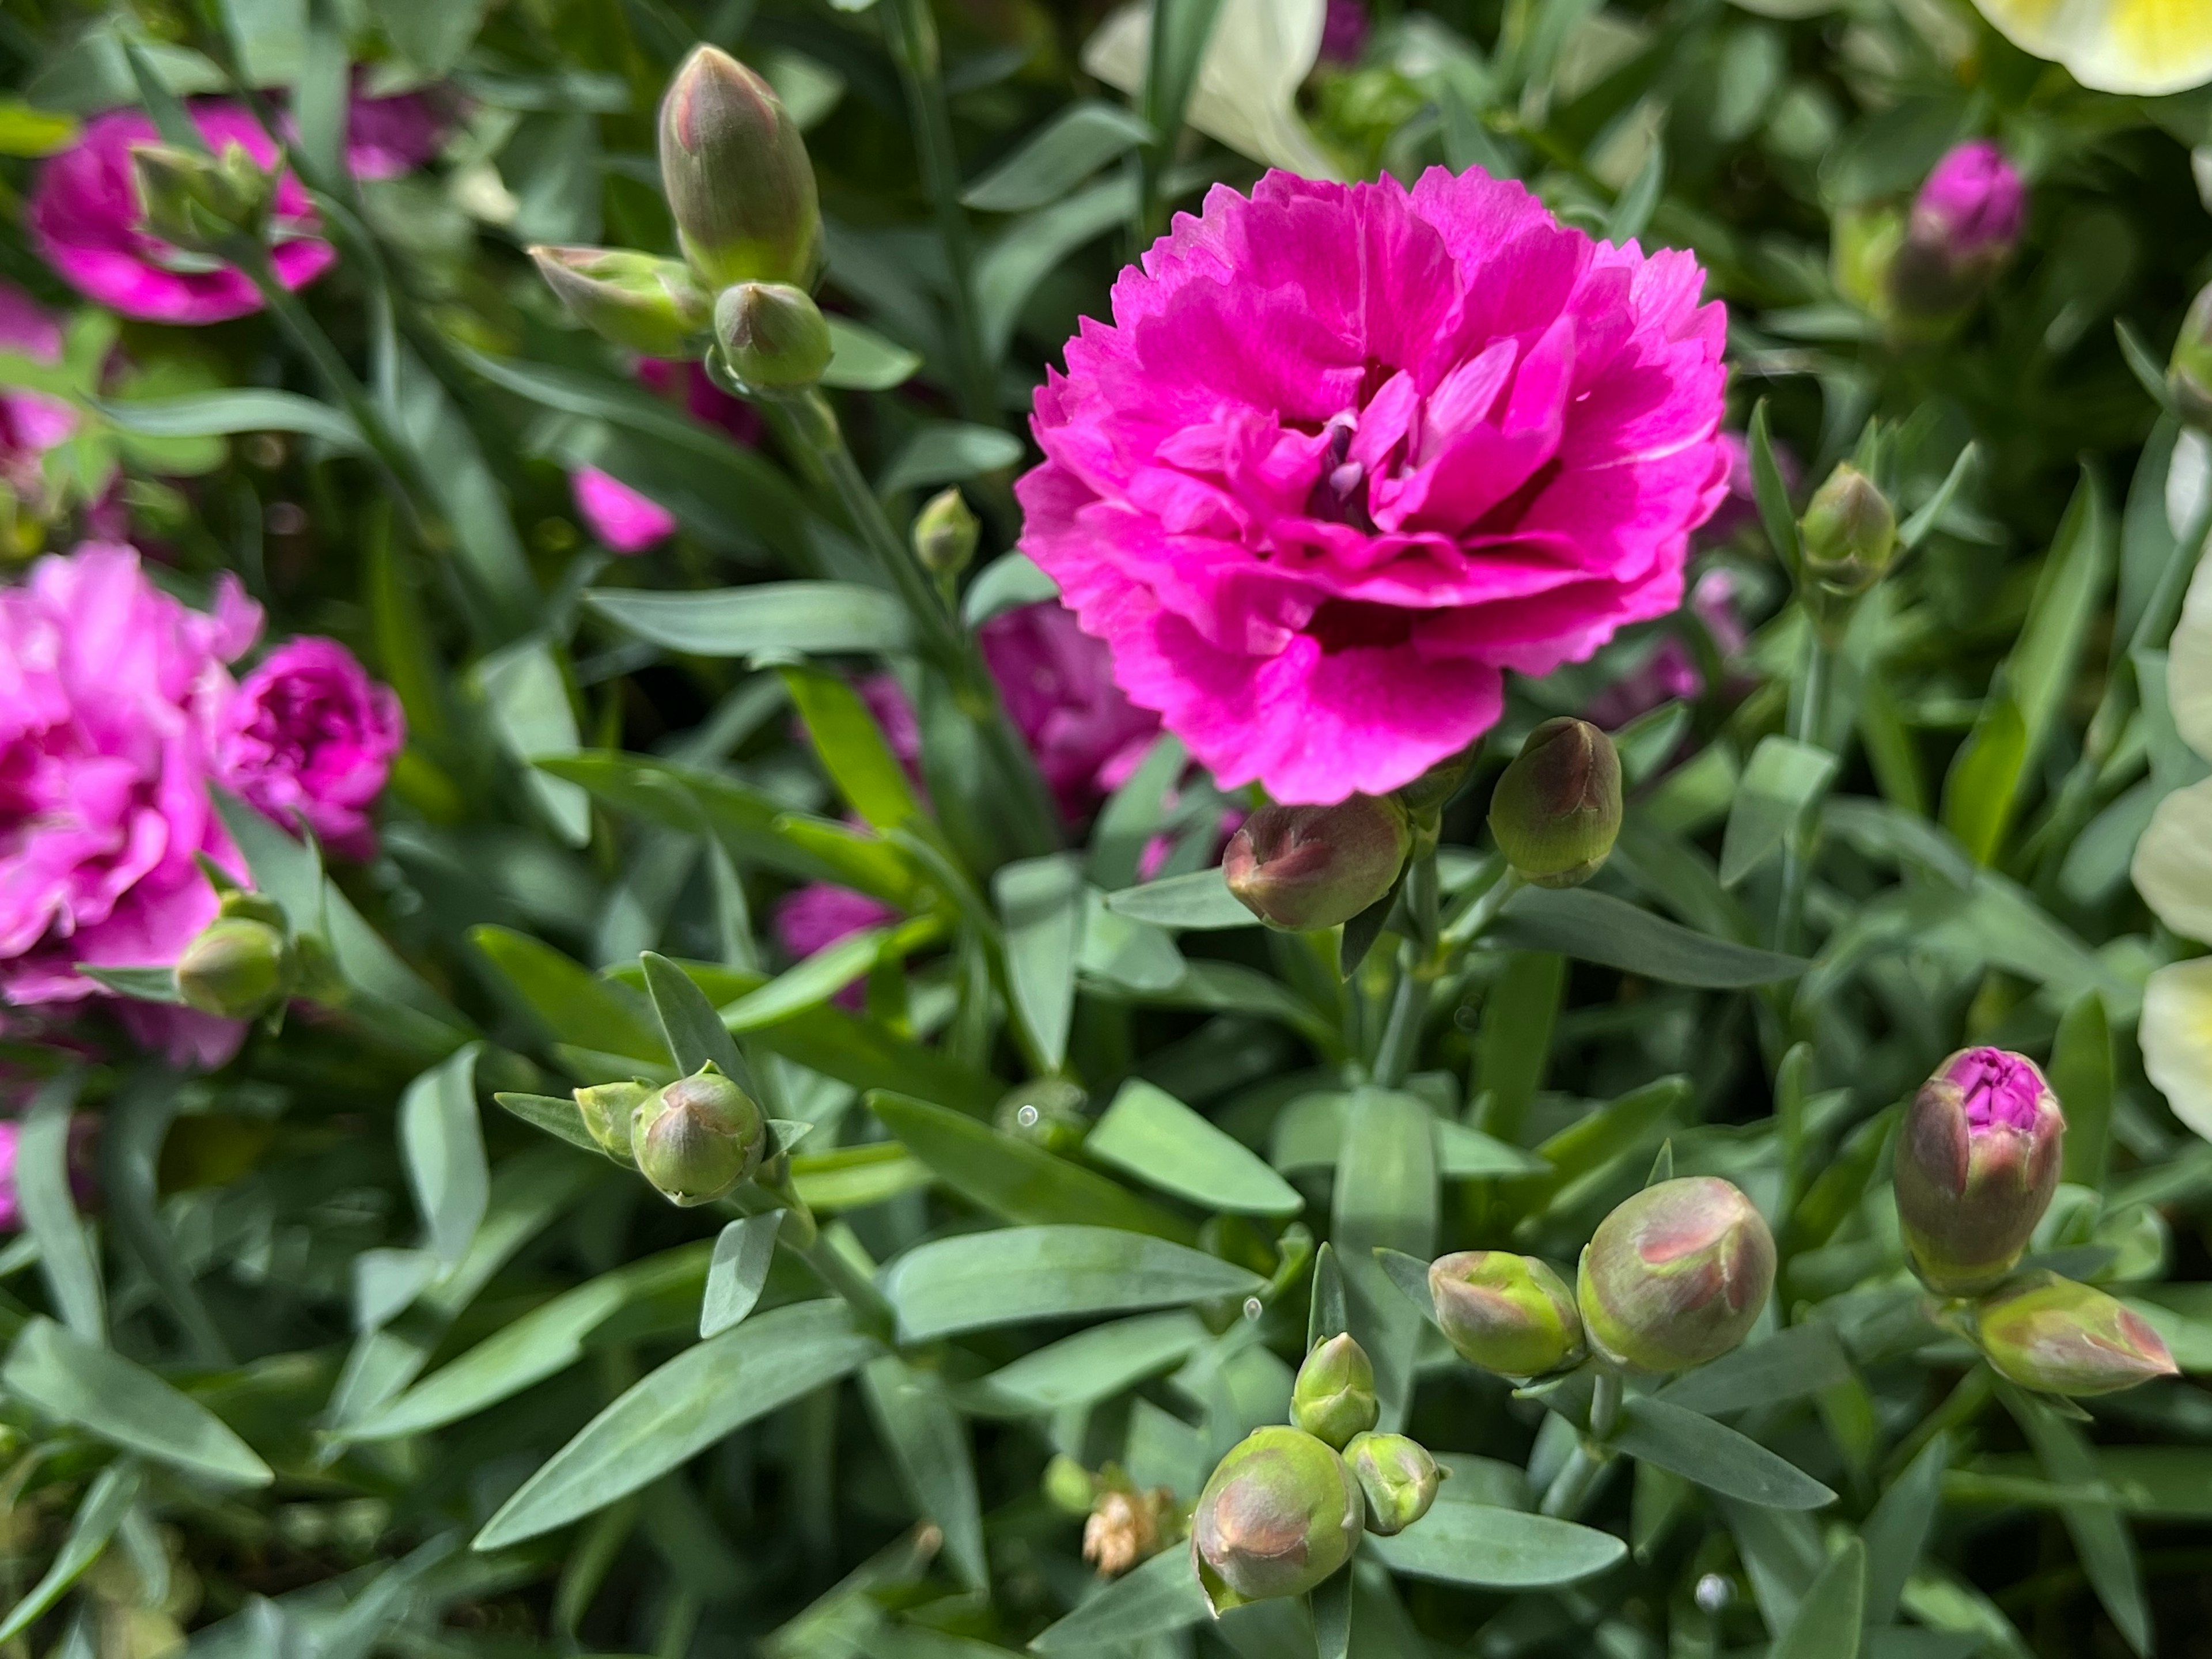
[
  {"x": 813, "y": 426},
  {"x": 1605, "y": 1405},
  {"x": 1808, "y": 721},
  {"x": 1422, "y": 963},
  {"x": 1571, "y": 1487},
  {"x": 802, "y": 1235},
  {"x": 911, "y": 34}
]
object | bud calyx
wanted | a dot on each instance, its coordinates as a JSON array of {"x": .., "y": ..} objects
[
  {"x": 649, "y": 305},
  {"x": 698, "y": 1137},
  {"x": 1334, "y": 1397},
  {"x": 1280, "y": 1513},
  {"x": 1505, "y": 1313},
  {"x": 1676, "y": 1275},
  {"x": 739, "y": 184},
  {"x": 1399, "y": 1478},
  {"x": 1299, "y": 867},
  {"x": 2052, "y": 1334},
  {"x": 1556, "y": 812}
]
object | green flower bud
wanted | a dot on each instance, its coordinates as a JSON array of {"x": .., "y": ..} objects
[
  {"x": 698, "y": 1137},
  {"x": 238, "y": 968},
  {"x": 1508, "y": 1313},
  {"x": 198, "y": 201},
  {"x": 945, "y": 532},
  {"x": 1676, "y": 1275},
  {"x": 1280, "y": 1514},
  {"x": 1850, "y": 533},
  {"x": 1399, "y": 1477},
  {"x": 772, "y": 336},
  {"x": 1556, "y": 812},
  {"x": 2052, "y": 1334},
  {"x": 1068, "y": 1486},
  {"x": 2189, "y": 374},
  {"x": 740, "y": 186},
  {"x": 608, "y": 1110},
  {"x": 1977, "y": 1160},
  {"x": 1298, "y": 867},
  {"x": 1334, "y": 1397},
  {"x": 655, "y": 307}
]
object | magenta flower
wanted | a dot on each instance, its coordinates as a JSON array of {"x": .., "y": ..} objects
[
  {"x": 388, "y": 138},
  {"x": 84, "y": 218},
  {"x": 625, "y": 520},
  {"x": 1671, "y": 672},
  {"x": 1977, "y": 1160},
  {"x": 310, "y": 736},
  {"x": 1058, "y": 686},
  {"x": 818, "y": 915},
  {"x": 1349, "y": 453},
  {"x": 686, "y": 386},
  {"x": 31, "y": 424},
  {"x": 111, "y": 694},
  {"x": 1973, "y": 205},
  {"x": 1344, "y": 34}
]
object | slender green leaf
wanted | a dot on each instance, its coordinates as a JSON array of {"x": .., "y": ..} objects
[
  {"x": 1041, "y": 905},
  {"x": 441, "y": 1140},
  {"x": 1157, "y": 1599},
  {"x": 1088, "y": 1366},
  {"x": 1015, "y": 1178},
  {"x": 1013, "y": 1275},
  {"x": 824, "y": 618},
  {"x": 1007, "y": 583},
  {"x": 950, "y": 452},
  {"x": 1598, "y": 928},
  {"x": 2082, "y": 1077},
  {"x": 221, "y": 414},
  {"x": 558, "y": 1118},
  {"x": 527, "y": 697},
  {"x": 1783, "y": 782},
  {"x": 1776, "y": 515},
  {"x": 742, "y": 1255},
  {"x": 862, "y": 360},
  {"x": 1199, "y": 902},
  {"x": 853, "y": 747},
  {"x": 676, "y": 1411},
  {"x": 99, "y": 1513},
  {"x": 928, "y": 1444},
  {"x": 572, "y": 1003},
  {"x": 42, "y": 1189},
  {"x": 2107, "y": 1552},
  {"x": 1898, "y": 1530},
  {"x": 1385, "y": 1198},
  {"x": 1715, "y": 1457},
  {"x": 1149, "y": 1134},
  {"x": 1491, "y": 1547},
  {"x": 1790, "y": 1365},
  {"x": 1056, "y": 158},
  {"x": 1829, "y": 1620},
  {"x": 77, "y": 1380},
  {"x": 691, "y": 1024}
]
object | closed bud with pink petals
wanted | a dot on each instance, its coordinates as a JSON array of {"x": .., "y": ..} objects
[
  {"x": 1978, "y": 1161},
  {"x": 2052, "y": 1334},
  {"x": 1676, "y": 1275}
]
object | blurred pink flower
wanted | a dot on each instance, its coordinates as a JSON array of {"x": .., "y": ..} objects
[
  {"x": 387, "y": 137},
  {"x": 625, "y": 520},
  {"x": 1344, "y": 36},
  {"x": 1349, "y": 453},
  {"x": 1974, "y": 205},
  {"x": 1671, "y": 672},
  {"x": 817, "y": 916},
  {"x": 686, "y": 384},
  {"x": 111, "y": 695},
  {"x": 31, "y": 422},
  {"x": 1058, "y": 682},
  {"x": 310, "y": 736},
  {"x": 84, "y": 219}
]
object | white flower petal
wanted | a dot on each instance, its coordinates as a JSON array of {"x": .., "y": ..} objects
[
  {"x": 2177, "y": 1040},
  {"x": 2144, "y": 47},
  {"x": 2189, "y": 663},
  {"x": 1247, "y": 94},
  {"x": 2173, "y": 867}
]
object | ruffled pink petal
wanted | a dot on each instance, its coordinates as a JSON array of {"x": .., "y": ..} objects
[{"x": 618, "y": 515}]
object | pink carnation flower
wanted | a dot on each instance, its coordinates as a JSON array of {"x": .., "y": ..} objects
[
  {"x": 625, "y": 520},
  {"x": 388, "y": 138},
  {"x": 1058, "y": 686},
  {"x": 31, "y": 424},
  {"x": 310, "y": 736},
  {"x": 85, "y": 219},
  {"x": 1348, "y": 452},
  {"x": 111, "y": 694}
]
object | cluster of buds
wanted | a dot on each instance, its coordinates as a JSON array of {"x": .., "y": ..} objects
[
  {"x": 1922, "y": 269},
  {"x": 693, "y": 1140},
  {"x": 1978, "y": 1162},
  {"x": 1287, "y": 1507},
  {"x": 742, "y": 193},
  {"x": 1301, "y": 867},
  {"x": 1556, "y": 812},
  {"x": 243, "y": 964},
  {"x": 201, "y": 203}
]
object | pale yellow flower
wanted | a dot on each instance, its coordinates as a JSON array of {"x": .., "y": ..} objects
[
  {"x": 2140, "y": 46},
  {"x": 1260, "y": 52},
  {"x": 2177, "y": 1040}
]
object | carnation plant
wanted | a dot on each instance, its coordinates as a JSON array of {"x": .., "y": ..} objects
[{"x": 942, "y": 828}]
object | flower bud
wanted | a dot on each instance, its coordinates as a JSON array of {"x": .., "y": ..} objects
[
  {"x": 1399, "y": 1477},
  {"x": 1298, "y": 867},
  {"x": 1676, "y": 1275},
  {"x": 238, "y": 967},
  {"x": 1334, "y": 1397},
  {"x": 772, "y": 336},
  {"x": 1508, "y": 1313},
  {"x": 1556, "y": 812},
  {"x": 198, "y": 202},
  {"x": 698, "y": 1137},
  {"x": 1280, "y": 1514},
  {"x": 740, "y": 186},
  {"x": 945, "y": 532},
  {"x": 2052, "y": 1334},
  {"x": 1978, "y": 1160},
  {"x": 1068, "y": 1486},
  {"x": 608, "y": 1110},
  {"x": 654, "y": 306},
  {"x": 1850, "y": 533},
  {"x": 1965, "y": 225},
  {"x": 2189, "y": 374}
]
